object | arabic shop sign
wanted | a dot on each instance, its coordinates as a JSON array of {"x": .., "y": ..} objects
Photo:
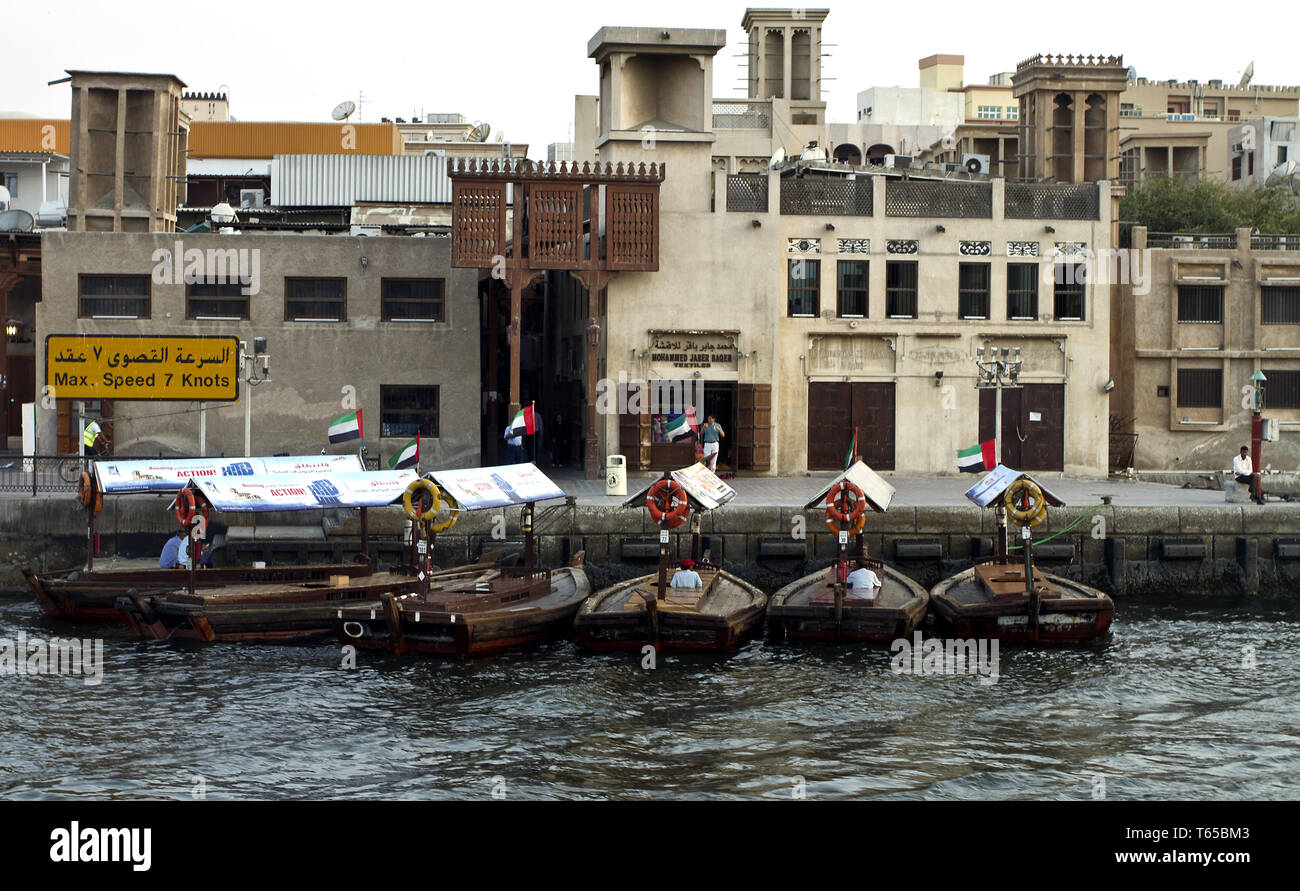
[
  {"x": 693, "y": 349},
  {"x": 174, "y": 368}
]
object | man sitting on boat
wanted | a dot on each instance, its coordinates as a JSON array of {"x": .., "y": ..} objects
[
  {"x": 174, "y": 554},
  {"x": 686, "y": 576},
  {"x": 863, "y": 584}
]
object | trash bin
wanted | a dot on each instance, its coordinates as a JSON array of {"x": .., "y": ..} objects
[{"x": 615, "y": 475}]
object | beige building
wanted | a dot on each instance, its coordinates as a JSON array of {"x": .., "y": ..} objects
[
  {"x": 380, "y": 323},
  {"x": 813, "y": 299},
  {"x": 1210, "y": 312},
  {"x": 206, "y": 106}
]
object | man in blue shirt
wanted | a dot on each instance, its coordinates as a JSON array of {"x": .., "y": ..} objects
[
  {"x": 173, "y": 556},
  {"x": 711, "y": 435}
]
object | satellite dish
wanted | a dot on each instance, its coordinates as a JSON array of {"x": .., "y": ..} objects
[
  {"x": 1247, "y": 74},
  {"x": 813, "y": 152},
  {"x": 480, "y": 132},
  {"x": 1286, "y": 176},
  {"x": 222, "y": 213},
  {"x": 16, "y": 221},
  {"x": 343, "y": 110},
  {"x": 778, "y": 158},
  {"x": 1131, "y": 74},
  {"x": 4, "y": 198}
]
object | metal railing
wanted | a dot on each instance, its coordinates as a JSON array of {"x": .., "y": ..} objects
[
  {"x": 34, "y": 474},
  {"x": 1214, "y": 241},
  {"x": 829, "y": 196},
  {"x": 742, "y": 115},
  {"x": 1275, "y": 242},
  {"x": 747, "y": 193},
  {"x": 1052, "y": 201}
]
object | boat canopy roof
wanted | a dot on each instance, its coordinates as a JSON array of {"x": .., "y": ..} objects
[
  {"x": 169, "y": 474},
  {"x": 476, "y": 488},
  {"x": 703, "y": 488},
  {"x": 998, "y": 480},
  {"x": 878, "y": 492},
  {"x": 305, "y": 491}
]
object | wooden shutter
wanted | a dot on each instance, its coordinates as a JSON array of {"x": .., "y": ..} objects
[{"x": 754, "y": 427}]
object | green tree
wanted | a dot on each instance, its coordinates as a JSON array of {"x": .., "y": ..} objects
[{"x": 1172, "y": 204}]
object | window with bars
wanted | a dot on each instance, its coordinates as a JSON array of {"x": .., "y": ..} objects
[
  {"x": 1279, "y": 305},
  {"x": 315, "y": 300},
  {"x": 1069, "y": 292},
  {"x": 803, "y": 286},
  {"x": 1200, "y": 388},
  {"x": 1200, "y": 304},
  {"x": 1282, "y": 389},
  {"x": 1022, "y": 291},
  {"x": 411, "y": 299},
  {"x": 113, "y": 296},
  {"x": 900, "y": 289},
  {"x": 852, "y": 288},
  {"x": 973, "y": 291},
  {"x": 406, "y": 411},
  {"x": 216, "y": 302}
]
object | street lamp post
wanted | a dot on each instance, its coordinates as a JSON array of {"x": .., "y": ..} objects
[
  {"x": 590, "y": 458},
  {"x": 1257, "y": 435},
  {"x": 1000, "y": 370},
  {"x": 248, "y": 363}
]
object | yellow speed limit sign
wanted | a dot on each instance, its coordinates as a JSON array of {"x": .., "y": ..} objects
[{"x": 176, "y": 368}]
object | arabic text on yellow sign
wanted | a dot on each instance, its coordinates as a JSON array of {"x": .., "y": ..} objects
[{"x": 177, "y": 368}]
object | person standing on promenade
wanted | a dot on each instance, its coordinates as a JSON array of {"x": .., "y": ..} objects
[{"x": 711, "y": 434}]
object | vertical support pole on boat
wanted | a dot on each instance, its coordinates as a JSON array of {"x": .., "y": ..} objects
[
  {"x": 421, "y": 530},
  {"x": 695, "y": 536},
  {"x": 841, "y": 578},
  {"x": 365, "y": 537},
  {"x": 393, "y": 619},
  {"x": 526, "y": 524},
  {"x": 1000, "y": 536},
  {"x": 1030, "y": 588},
  {"x": 90, "y": 536},
  {"x": 662, "y": 587}
]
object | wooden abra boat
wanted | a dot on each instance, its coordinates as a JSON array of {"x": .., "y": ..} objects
[
  {"x": 819, "y": 606},
  {"x": 720, "y": 614},
  {"x": 1005, "y": 596},
  {"x": 990, "y": 600},
  {"x": 476, "y": 610},
  {"x": 90, "y": 595}
]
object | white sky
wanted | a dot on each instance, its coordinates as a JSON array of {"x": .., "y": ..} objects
[{"x": 518, "y": 64}]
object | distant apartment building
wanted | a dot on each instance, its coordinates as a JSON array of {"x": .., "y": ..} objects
[
  {"x": 34, "y": 167},
  {"x": 206, "y": 106},
  {"x": 1265, "y": 151}
]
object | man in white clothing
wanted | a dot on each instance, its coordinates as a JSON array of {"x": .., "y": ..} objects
[
  {"x": 1244, "y": 471},
  {"x": 863, "y": 584}
]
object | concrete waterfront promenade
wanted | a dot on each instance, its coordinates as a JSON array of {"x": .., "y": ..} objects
[{"x": 1150, "y": 538}]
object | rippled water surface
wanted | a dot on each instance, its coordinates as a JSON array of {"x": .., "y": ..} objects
[{"x": 1168, "y": 708}]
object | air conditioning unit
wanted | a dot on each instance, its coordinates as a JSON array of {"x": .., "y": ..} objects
[
  {"x": 975, "y": 163},
  {"x": 952, "y": 167},
  {"x": 251, "y": 198},
  {"x": 1272, "y": 431},
  {"x": 898, "y": 162},
  {"x": 1236, "y": 147}
]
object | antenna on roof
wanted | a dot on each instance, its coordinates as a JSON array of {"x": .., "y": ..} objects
[{"x": 343, "y": 110}]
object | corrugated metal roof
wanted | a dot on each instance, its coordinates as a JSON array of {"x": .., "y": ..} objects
[
  {"x": 266, "y": 139},
  {"x": 32, "y": 135},
  {"x": 334, "y": 180}
]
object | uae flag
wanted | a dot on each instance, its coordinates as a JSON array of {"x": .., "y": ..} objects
[
  {"x": 346, "y": 427},
  {"x": 407, "y": 456},
  {"x": 523, "y": 422},
  {"x": 681, "y": 425},
  {"x": 976, "y": 458},
  {"x": 853, "y": 450}
]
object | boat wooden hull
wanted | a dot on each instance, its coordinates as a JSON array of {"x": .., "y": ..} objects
[
  {"x": 1085, "y": 614},
  {"x": 413, "y": 625},
  {"x": 602, "y": 623},
  {"x": 269, "y": 613},
  {"x": 81, "y": 596},
  {"x": 902, "y": 608}
]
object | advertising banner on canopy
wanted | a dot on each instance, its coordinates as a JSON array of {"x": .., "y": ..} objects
[
  {"x": 998, "y": 480},
  {"x": 297, "y": 491},
  {"x": 479, "y": 487},
  {"x": 704, "y": 487},
  {"x": 168, "y": 474}
]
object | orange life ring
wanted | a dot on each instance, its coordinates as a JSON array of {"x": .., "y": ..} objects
[
  {"x": 838, "y": 495},
  {"x": 85, "y": 489},
  {"x": 185, "y": 506},
  {"x": 667, "y": 503},
  {"x": 834, "y": 526},
  {"x": 89, "y": 494}
]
